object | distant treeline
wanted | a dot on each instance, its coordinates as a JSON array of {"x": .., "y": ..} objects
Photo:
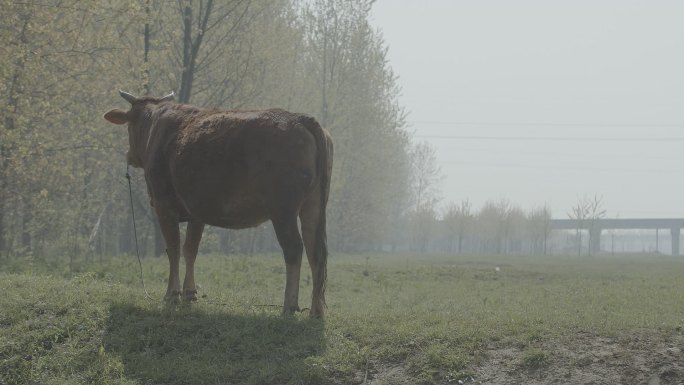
[{"x": 497, "y": 228}]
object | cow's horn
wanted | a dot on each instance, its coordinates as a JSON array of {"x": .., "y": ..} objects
[
  {"x": 129, "y": 98},
  {"x": 168, "y": 97}
]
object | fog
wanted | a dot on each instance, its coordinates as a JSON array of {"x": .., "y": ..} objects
[
  {"x": 546, "y": 102},
  {"x": 530, "y": 109}
]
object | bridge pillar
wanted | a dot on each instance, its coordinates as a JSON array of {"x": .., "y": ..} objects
[
  {"x": 595, "y": 239},
  {"x": 675, "y": 240}
]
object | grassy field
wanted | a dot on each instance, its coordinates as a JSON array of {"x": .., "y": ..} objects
[{"x": 392, "y": 319}]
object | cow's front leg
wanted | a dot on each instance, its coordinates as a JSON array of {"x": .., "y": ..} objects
[
  {"x": 168, "y": 222},
  {"x": 193, "y": 236}
]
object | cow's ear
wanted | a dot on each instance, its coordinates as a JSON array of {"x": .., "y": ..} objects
[{"x": 116, "y": 116}]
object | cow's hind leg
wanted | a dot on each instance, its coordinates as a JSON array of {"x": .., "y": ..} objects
[
  {"x": 168, "y": 222},
  {"x": 291, "y": 242},
  {"x": 193, "y": 236},
  {"x": 316, "y": 253}
]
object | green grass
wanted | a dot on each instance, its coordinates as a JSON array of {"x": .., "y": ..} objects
[
  {"x": 394, "y": 319},
  {"x": 535, "y": 358}
]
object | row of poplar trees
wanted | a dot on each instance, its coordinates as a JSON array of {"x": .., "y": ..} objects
[{"x": 62, "y": 167}]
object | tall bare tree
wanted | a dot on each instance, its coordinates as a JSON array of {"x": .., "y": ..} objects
[
  {"x": 427, "y": 175},
  {"x": 587, "y": 212}
]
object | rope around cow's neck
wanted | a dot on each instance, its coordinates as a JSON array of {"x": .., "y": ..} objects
[{"x": 135, "y": 233}]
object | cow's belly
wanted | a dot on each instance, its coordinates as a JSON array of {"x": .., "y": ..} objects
[{"x": 234, "y": 211}]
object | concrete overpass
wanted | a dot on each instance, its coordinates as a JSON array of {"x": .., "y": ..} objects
[{"x": 596, "y": 226}]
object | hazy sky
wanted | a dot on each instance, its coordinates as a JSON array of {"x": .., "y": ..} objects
[{"x": 543, "y": 102}]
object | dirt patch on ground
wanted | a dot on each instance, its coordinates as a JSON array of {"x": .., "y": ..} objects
[{"x": 585, "y": 359}]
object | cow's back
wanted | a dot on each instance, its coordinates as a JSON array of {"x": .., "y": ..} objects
[{"x": 235, "y": 168}]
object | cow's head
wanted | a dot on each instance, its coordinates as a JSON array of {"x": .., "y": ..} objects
[{"x": 139, "y": 120}]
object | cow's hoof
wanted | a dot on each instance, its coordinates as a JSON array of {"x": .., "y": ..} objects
[
  {"x": 172, "y": 298},
  {"x": 317, "y": 309},
  {"x": 190, "y": 295},
  {"x": 289, "y": 311},
  {"x": 320, "y": 314}
]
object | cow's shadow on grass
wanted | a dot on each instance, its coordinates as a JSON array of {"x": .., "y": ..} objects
[{"x": 194, "y": 345}]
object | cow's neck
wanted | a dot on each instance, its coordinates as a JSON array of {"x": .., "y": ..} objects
[
  {"x": 142, "y": 137},
  {"x": 158, "y": 119}
]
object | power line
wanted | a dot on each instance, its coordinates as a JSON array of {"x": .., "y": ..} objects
[
  {"x": 516, "y": 151},
  {"x": 555, "y": 138},
  {"x": 502, "y": 165},
  {"x": 549, "y": 124}
]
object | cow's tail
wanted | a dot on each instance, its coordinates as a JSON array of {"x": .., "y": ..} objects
[{"x": 324, "y": 163}]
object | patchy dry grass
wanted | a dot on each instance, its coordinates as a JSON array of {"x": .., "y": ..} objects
[{"x": 393, "y": 319}]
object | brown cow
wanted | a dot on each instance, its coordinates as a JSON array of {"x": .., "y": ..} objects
[{"x": 233, "y": 169}]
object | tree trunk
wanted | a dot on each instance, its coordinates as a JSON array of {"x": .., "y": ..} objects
[
  {"x": 186, "y": 75},
  {"x": 27, "y": 217},
  {"x": 191, "y": 48},
  {"x": 2, "y": 201}
]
